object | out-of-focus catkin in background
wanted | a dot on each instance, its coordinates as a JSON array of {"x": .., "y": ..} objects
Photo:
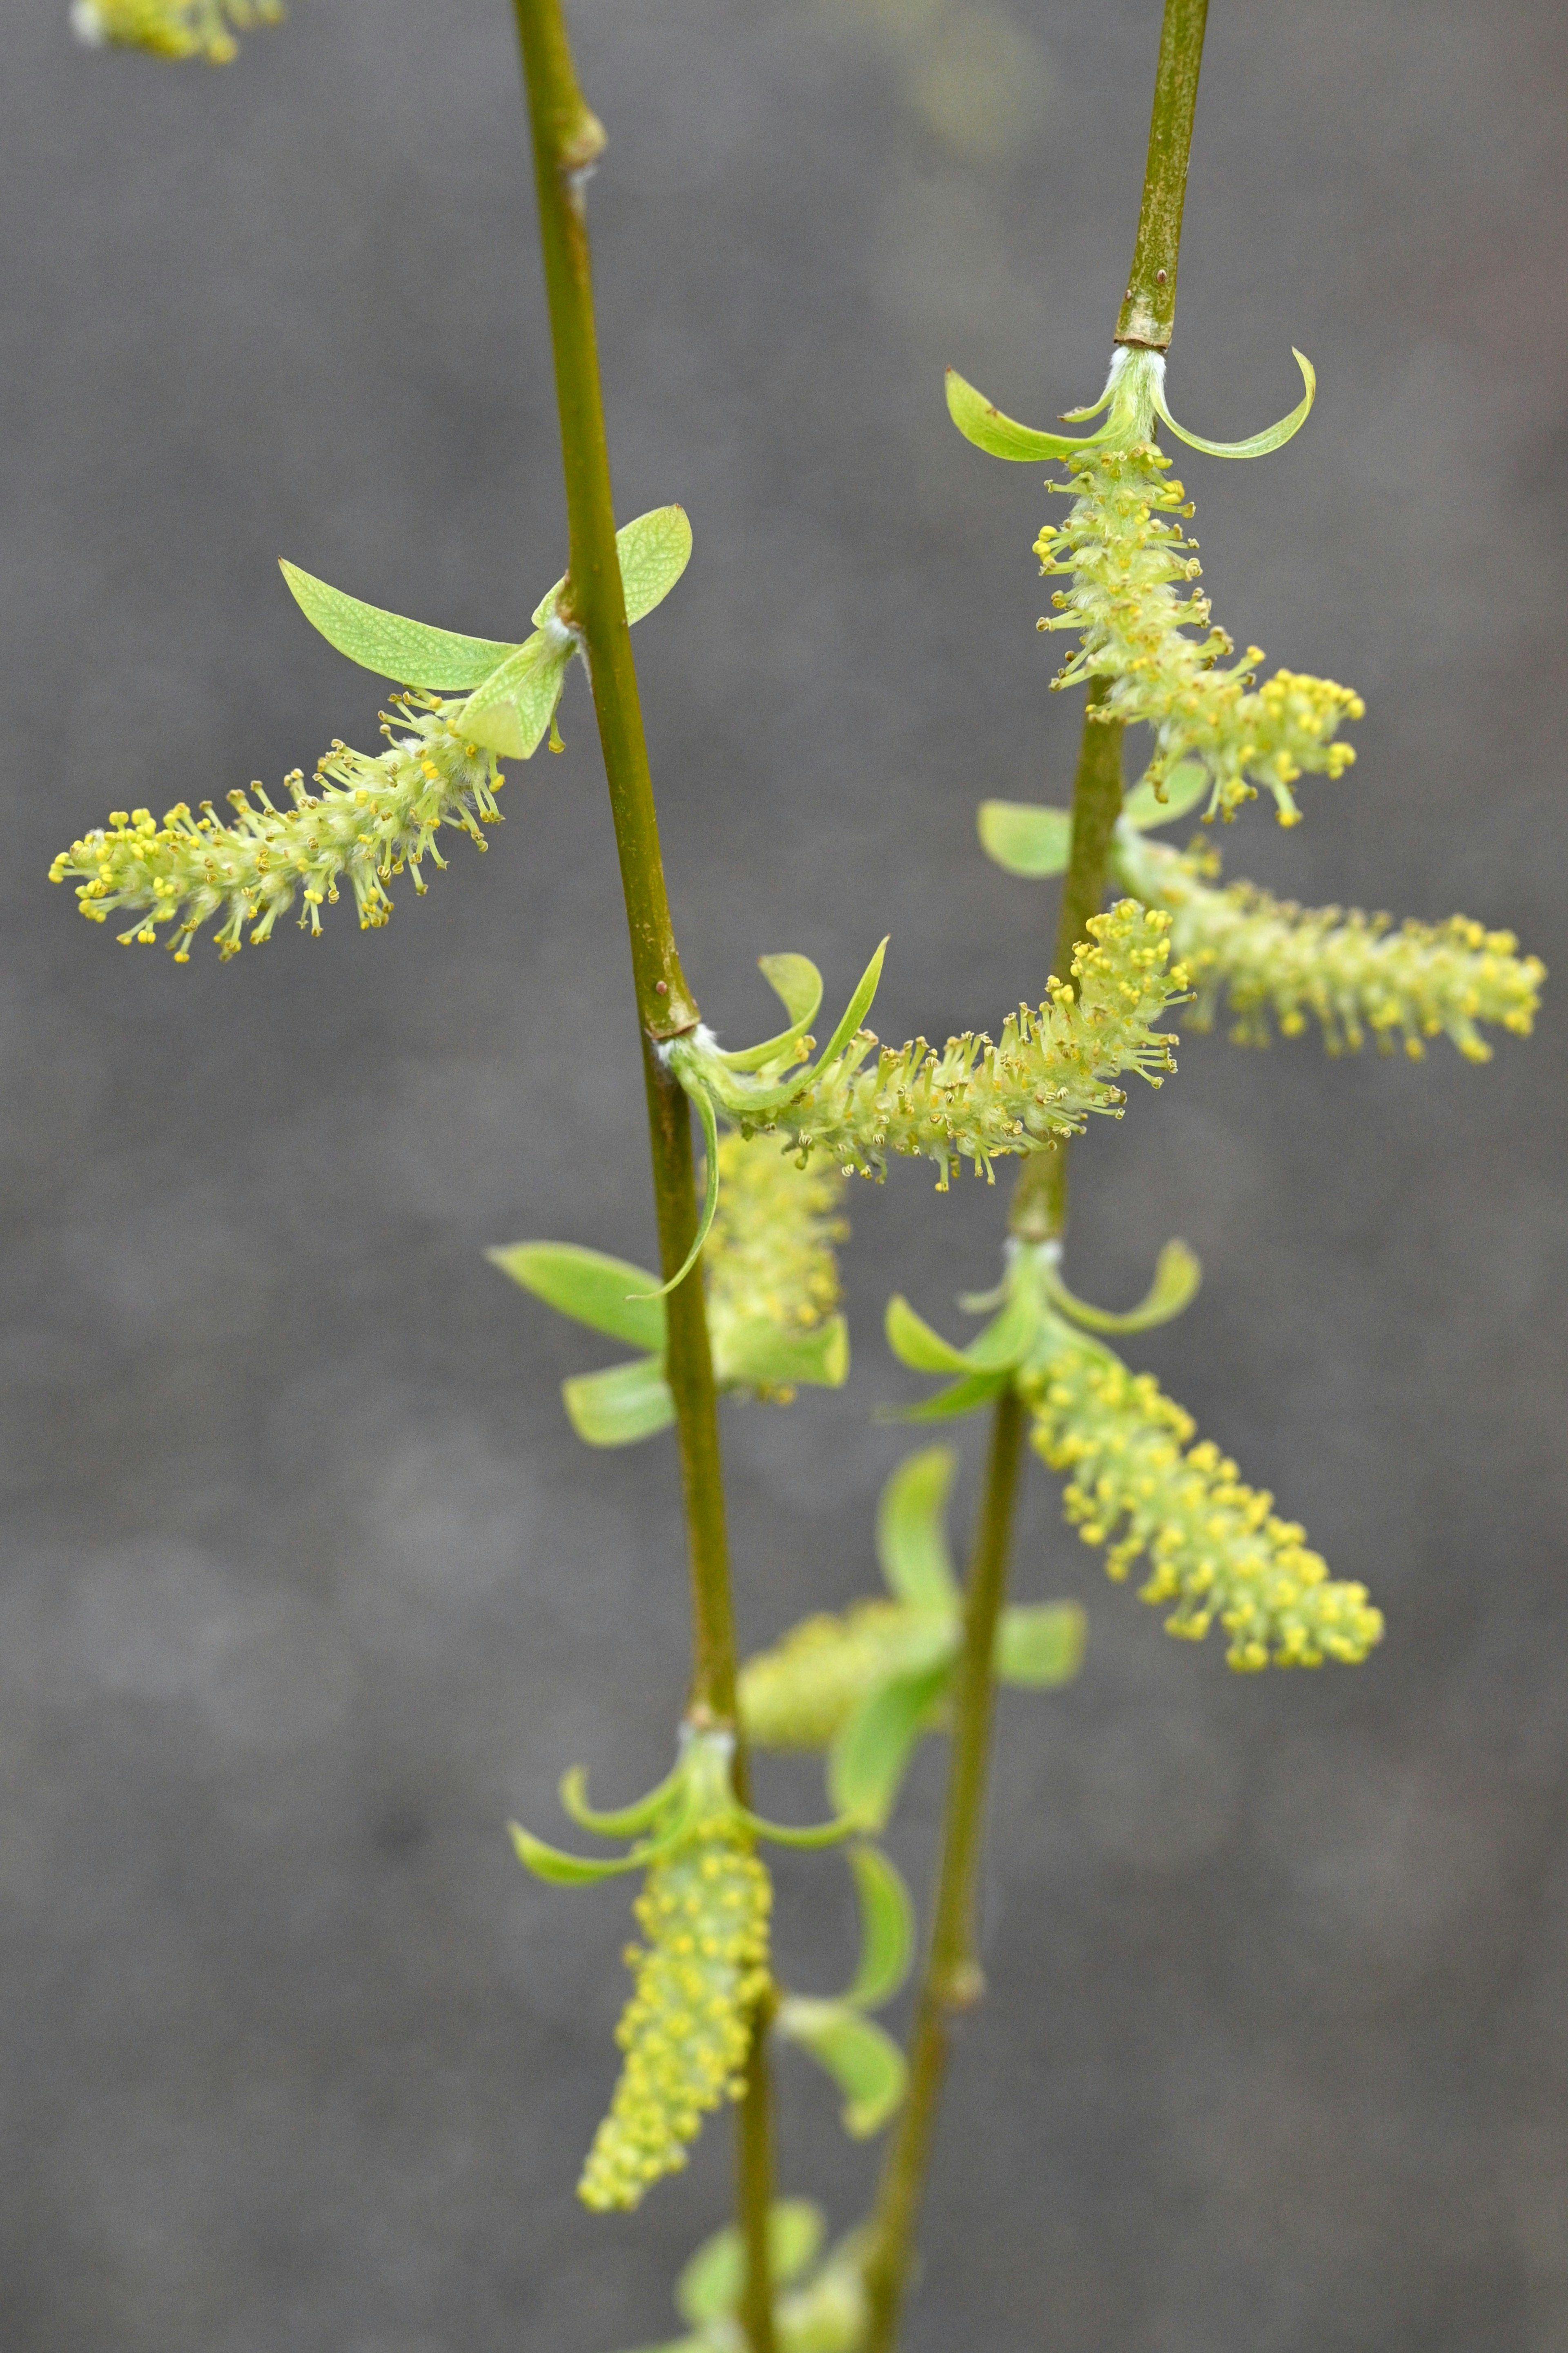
[{"x": 306, "y": 1585}]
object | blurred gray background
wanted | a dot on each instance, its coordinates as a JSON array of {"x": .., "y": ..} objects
[{"x": 307, "y": 1586}]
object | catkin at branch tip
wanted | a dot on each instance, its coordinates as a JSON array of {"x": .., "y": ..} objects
[
  {"x": 980, "y": 1101},
  {"x": 173, "y": 28},
  {"x": 369, "y": 817},
  {"x": 1353, "y": 974},
  {"x": 1124, "y": 556},
  {"x": 686, "y": 2032},
  {"x": 1214, "y": 1549}
]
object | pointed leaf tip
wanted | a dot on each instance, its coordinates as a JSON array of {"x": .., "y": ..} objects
[
  {"x": 1259, "y": 445},
  {"x": 981, "y": 421},
  {"x": 411, "y": 652}
]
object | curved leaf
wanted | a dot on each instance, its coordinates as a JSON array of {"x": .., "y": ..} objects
[
  {"x": 855, "y": 1012},
  {"x": 653, "y": 549},
  {"x": 510, "y": 713},
  {"x": 1025, "y": 838},
  {"x": 981, "y": 421},
  {"x": 713, "y": 2282},
  {"x": 1259, "y": 445},
  {"x": 1040, "y": 1645},
  {"x": 911, "y": 1532},
  {"x": 963, "y": 1396},
  {"x": 589, "y": 1286},
  {"x": 709, "y": 1119},
  {"x": 564, "y": 1870},
  {"x": 866, "y": 2064},
  {"x": 808, "y": 1836},
  {"x": 871, "y": 1753},
  {"x": 623, "y": 1821},
  {"x": 621, "y": 1405},
  {"x": 915, "y": 1343},
  {"x": 1184, "y": 787},
  {"x": 887, "y": 1928},
  {"x": 412, "y": 652},
  {"x": 796, "y": 980},
  {"x": 1177, "y": 1274}
]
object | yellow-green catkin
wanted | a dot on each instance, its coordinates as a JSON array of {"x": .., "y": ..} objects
[
  {"x": 1214, "y": 1546},
  {"x": 369, "y": 817},
  {"x": 1355, "y": 975},
  {"x": 980, "y": 1101},
  {"x": 173, "y": 28},
  {"x": 701, "y": 1972},
  {"x": 801, "y": 1692},
  {"x": 1131, "y": 565},
  {"x": 769, "y": 1258}
]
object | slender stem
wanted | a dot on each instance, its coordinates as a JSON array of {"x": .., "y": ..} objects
[
  {"x": 952, "y": 1979},
  {"x": 1040, "y": 1196},
  {"x": 567, "y": 139},
  {"x": 1149, "y": 313}
]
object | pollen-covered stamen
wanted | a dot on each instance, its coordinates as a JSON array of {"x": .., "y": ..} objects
[
  {"x": 371, "y": 816},
  {"x": 1132, "y": 566}
]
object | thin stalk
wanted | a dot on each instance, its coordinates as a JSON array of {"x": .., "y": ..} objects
[
  {"x": 954, "y": 1980},
  {"x": 1149, "y": 313},
  {"x": 567, "y": 140}
]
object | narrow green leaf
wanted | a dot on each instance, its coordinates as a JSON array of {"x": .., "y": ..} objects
[
  {"x": 708, "y": 1117},
  {"x": 855, "y": 1012},
  {"x": 1177, "y": 1274},
  {"x": 887, "y": 1928},
  {"x": 1008, "y": 1337},
  {"x": 566, "y": 1870},
  {"x": 871, "y": 1753},
  {"x": 866, "y": 2064},
  {"x": 624, "y": 1821},
  {"x": 796, "y": 980},
  {"x": 913, "y": 1342},
  {"x": 911, "y": 1531},
  {"x": 758, "y": 1354},
  {"x": 1025, "y": 838},
  {"x": 1186, "y": 786},
  {"x": 807, "y": 1836},
  {"x": 1273, "y": 437},
  {"x": 621, "y": 1405},
  {"x": 409, "y": 651},
  {"x": 980, "y": 421},
  {"x": 1040, "y": 1645},
  {"x": 589, "y": 1287},
  {"x": 713, "y": 2282},
  {"x": 512, "y": 709},
  {"x": 653, "y": 550},
  {"x": 948, "y": 1405}
]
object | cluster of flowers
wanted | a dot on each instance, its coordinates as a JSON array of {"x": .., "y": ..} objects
[
  {"x": 372, "y": 816},
  {"x": 769, "y": 1258},
  {"x": 1352, "y": 973},
  {"x": 1138, "y": 1485},
  {"x": 173, "y": 28}
]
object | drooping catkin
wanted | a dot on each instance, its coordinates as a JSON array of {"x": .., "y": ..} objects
[
  {"x": 768, "y": 1257},
  {"x": 369, "y": 817},
  {"x": 1214, "y": 1549},
  {"x": 1128, "y": 560},
  {"x": 798, "y": 1693},
  {"x": 702, "y": 1969},
  {"x": 1355, "y": 975}
]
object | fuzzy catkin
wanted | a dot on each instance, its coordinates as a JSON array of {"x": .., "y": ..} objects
[
  {"x": 371, "y": 816},
  {"x": 769, "y": 1258},
  {"x": 979, "y": 1101},
  {"x": 173, "y": 28},
  {"x": 1353, "y": 974},
  {"x": 798, "y": 1693},
  {"x": 1214, "y": 1549},
  {"x": 703, "y": 1912},
  {"x": 1124, "y": 547}
]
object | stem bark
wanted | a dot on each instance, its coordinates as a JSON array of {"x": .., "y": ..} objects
[{"x": 568, "y": 137}]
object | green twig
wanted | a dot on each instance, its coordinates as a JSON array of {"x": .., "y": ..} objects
[
  {"x": 567, "y": 140},
  {"x": 1149, "y": 313}
]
